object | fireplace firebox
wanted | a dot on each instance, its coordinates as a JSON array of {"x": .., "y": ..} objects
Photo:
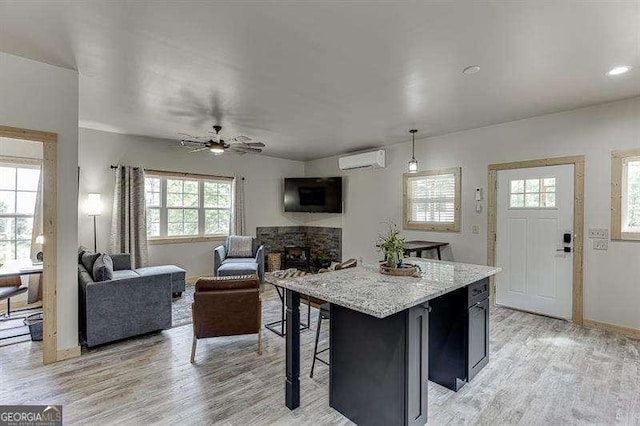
[{"x": 298, "y": 257}]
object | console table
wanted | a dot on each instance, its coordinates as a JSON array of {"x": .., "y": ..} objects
[{"x": 419, "y": 246}]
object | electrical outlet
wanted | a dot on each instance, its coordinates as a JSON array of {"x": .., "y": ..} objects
[
  {"x": 598, "y": 233},
  {"x": 475, "y": 229},
  {"x": 599, "y": 244}
]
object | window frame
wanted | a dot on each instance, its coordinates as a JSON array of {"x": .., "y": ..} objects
[
  {"x": 619, "y": 159},
  {"x": 433, "y": 226},
  {"x": 19, "y": 163},
  {"x": 539, "y": 193},
  {"x": 164, "y": 237}
]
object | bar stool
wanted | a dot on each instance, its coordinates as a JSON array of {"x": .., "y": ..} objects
[{"x": 325, "y": 314}]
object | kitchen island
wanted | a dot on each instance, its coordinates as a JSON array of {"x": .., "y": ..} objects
[{"x": 379, "y": 337}]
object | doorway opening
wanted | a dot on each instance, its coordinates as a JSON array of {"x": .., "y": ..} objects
[
  {"x": 31, "y": 256},
  {"x": 529, "y": 220}
]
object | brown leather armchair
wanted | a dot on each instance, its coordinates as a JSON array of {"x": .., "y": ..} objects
[
  {"x": 226, "y": 306},
  {"x": 10, "y": 287}
]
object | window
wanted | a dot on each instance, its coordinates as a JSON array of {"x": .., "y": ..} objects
[
  {"x": 182, "y": 207},
  {"x": 18, "y": 193},
  {"x": 187, "y": 206},
  {"x": 432, "y": 200},
  {"x": 153, "y": 200},
  {"x": 625, "y": 195},
  {"x": 538, "y": 193},
  {"x": 217, "y": 208}
]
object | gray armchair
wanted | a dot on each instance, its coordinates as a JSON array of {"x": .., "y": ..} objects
[{"x": 225, "y": 265}]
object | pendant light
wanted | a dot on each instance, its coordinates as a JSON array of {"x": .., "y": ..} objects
[{"x": 413, "y": 163}]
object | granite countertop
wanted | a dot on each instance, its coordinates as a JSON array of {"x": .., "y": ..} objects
[{"x": 366, "y": 290}]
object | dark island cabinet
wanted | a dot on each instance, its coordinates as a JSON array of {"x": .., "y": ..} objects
[
  {"x": 379, "y": 367},
  {"x": 478, "y": 355},
  {"x": 459, "y": 335}
]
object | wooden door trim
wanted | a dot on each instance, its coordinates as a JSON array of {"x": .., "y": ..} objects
[
  {"x": 50, "y": 246},
  {"x": 578, "y": 221}
]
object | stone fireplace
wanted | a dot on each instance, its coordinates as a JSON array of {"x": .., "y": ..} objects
[{"x": 320, "y": 240}]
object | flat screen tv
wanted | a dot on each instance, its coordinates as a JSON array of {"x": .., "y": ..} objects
[{"x": 313, "y": 195}]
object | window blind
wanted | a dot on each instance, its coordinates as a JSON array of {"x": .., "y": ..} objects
[
  {"x": 432, "y": 198},
  {"x": 631, "y": 195}
]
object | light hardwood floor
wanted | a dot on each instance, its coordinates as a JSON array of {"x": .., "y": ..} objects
[{"x": 542, "y": 371}]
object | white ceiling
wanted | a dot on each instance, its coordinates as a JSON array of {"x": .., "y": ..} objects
[{"x": 312, "y": 78}]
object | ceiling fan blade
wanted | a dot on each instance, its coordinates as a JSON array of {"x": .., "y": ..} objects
[
  {"x": 240, "y": 148},
  {"x": 250, "y": 145},
  {"x": 180, "y": 147},
  {"x": 199, "y": 149},
  {"x": 242, "y": 139},
  {"x": 191, "y": 136},
  {"x": 187, "y": 142}
]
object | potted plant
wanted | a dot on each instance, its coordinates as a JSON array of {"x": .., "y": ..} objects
[
  {"x": 390, "y": 244},
  {"x": 324, "y": 260}
]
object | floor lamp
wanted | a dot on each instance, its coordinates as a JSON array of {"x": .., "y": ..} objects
[{"x": 94, "y": 208}]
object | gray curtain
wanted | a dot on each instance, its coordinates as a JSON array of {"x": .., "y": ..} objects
[
  {"x": 129, "y": 222},
  {"x": 238, "y": 222},
  {"x": 35, "y": 281}
]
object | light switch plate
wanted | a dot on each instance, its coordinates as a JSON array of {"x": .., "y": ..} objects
[
  {"x": 598, "y": 233},
  {"x": 475, "y": 229},
  {"x": 600, "y": 244}
]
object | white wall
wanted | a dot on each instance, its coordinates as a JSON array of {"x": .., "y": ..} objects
[
  {"x": 611, "y": 283},
  {"x": 263, "y": 188},
  {"x": 37, "y": 96}
]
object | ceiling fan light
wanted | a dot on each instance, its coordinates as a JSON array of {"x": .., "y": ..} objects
[
  {"x": 619, "y": 70},
  {"x": 216, "y": 149}
]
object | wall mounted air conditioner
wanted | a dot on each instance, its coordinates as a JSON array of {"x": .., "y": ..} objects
[{"x": 366, "y": 160}]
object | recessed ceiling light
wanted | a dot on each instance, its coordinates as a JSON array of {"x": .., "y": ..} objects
[
  {"x": 473, "y": 69},
  {"x": 619, "y": 70}
]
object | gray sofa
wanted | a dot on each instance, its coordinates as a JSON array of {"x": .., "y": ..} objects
[
  {"x": 133, "y": 302},
  {"x": 225, "y": 266}
]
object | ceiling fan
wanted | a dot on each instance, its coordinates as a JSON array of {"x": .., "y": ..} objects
[{"x": 215, "y": 144}]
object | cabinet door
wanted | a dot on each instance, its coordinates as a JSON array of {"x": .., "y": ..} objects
[
  {"x": 478, "y": 353},
  {"x": 417, "y": 365}
]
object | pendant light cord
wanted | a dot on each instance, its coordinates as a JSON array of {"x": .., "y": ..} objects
[
  {"x": 413, "y": 146},
  {"x": 413, "y": 143}
]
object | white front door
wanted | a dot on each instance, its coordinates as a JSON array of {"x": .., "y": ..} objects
[{"x": 535, "y": 211}]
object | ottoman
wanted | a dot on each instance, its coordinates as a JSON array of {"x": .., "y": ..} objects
[
  {"x": 229, "y": 269},
  {"x": 178, "y": 276}
]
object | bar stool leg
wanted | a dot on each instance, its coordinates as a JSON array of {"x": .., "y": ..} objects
[{"x": 315, "y": 347}]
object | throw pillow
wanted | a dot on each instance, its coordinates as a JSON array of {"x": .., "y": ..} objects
[
  {"x": 87, "y": 260},
  {"x": 103, "y": 268},
  {"x": 81, "y": 250},
  {"x": 240, "y": 246}
]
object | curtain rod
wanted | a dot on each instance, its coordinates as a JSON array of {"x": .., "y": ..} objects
[{"x": 185, "y": 174}]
